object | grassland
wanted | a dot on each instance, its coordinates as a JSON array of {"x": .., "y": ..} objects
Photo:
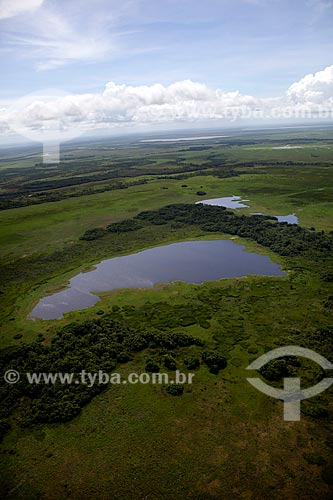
[{"x": 221, "y": 439}]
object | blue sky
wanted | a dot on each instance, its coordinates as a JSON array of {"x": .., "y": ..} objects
[
  {"x": 142, "y": 64},
  {"x": 259, "y": 47}
]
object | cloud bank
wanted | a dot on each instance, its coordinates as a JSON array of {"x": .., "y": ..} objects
[{"x": 181, "y": 102}]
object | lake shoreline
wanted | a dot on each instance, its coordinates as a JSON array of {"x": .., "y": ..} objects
[{"x": 194, "y": 262}]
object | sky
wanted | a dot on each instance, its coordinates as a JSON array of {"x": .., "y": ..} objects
[{"x": 142, "y": 62}]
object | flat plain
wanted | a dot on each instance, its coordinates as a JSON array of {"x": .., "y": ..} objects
[{"x": 220, "y": 438}]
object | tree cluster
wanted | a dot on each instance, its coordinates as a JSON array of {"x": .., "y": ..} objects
[
  {"x": 98, "y": 344},
  {"x": 281, "y": 237}
]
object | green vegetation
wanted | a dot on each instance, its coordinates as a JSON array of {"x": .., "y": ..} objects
[
  {"x": 214, "y": 361},
  {"x": 175, "y": 389},
  {"x": 92, "y": 346},
  {"x": 138, "y": 441},
  {"x": 117, "y": 227},
  {"x": 283, "y": 238}
]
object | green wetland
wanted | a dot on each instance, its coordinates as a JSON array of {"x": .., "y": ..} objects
[{"x": 218, "y": 437}]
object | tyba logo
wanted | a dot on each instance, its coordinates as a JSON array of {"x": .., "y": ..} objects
[{"x": 291, "y": 394}]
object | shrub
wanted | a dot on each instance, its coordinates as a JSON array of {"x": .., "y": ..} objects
[
  {"x": 124, "y": 226},
  {"x": 93, "y": 234},
  {"x": 204, "y": 324},
  {"x": 169, "y": 362},
  {"x": 123, "y": 357},
  {"x": 314, "y": 410},
  {"x": 327, "y": 276},
  {"x": 175, "y": 389},
  {"x": 192, "y": 363},
  {"x": 152, "y": 366},
  {"x": 214, "y": 369},
  {"x": 214, "y": 361},
  {"x": 275, "y": 370}
]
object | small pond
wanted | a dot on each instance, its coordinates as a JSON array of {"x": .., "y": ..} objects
[
  {"x": 237, "y": 202},
  {"x": 228, "y": 202}
]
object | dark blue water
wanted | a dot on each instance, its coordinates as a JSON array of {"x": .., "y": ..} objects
[{"x": 190, "y": 261}]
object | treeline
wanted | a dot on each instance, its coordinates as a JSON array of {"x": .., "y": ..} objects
[
  {"x": 111, "y": 171},
  {"x": 44, "y": 191},
  {"x": 46, "y": 197},
  {"x": 123, "y": 226},
  {"x": 281, "y": 237},
  {"x": 288, "y": 163},
  {"x": 222, "y": 173},
  {"x": 46, "y": 185},
  {"x": 118, "y": 163}
]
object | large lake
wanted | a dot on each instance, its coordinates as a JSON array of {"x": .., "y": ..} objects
[{"x": 190, "y": 261}]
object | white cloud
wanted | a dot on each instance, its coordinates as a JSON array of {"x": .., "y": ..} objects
[
  {"x": 11, "y": 8},
  {"x": 313, "y": 88},
  {"x": 181, "y": 102}
]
